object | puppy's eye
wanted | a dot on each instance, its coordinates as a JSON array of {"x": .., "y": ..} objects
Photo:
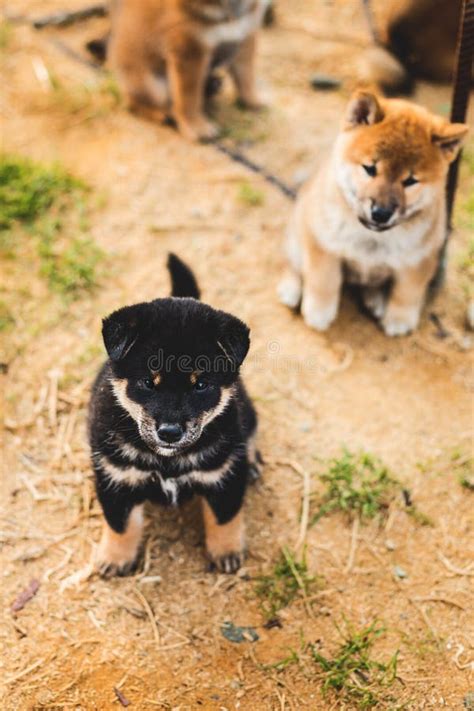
[
  {"x": 409, "y": 181},
  {"x": 146, "y": 384},
  {"x": 370, "y": 170},
  {"x": 201, "y": 385}
]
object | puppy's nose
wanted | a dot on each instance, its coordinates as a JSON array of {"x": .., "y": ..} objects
[
  {"x": 381, "y": 214},
  {"x": 170, "y": 433}
]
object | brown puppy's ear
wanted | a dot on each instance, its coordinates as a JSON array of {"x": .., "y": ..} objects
[
  {"x": 449, "y": 138},
  {"x": 363, "y": 109},
  {"x": 119, "y": 331}
]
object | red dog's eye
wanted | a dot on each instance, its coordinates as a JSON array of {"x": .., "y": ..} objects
[
  {"x": 409, "y": 181},
  {"x": 370, "y": 170}
]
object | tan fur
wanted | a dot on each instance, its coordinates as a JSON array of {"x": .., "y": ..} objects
[
  {"x": 332, "y": 227},
  {"x": 118, "y": 552},
  {"x": 163, "y": 51},
  {"x": 223, "y": 542},
  {"x": 156, "y": 379}
]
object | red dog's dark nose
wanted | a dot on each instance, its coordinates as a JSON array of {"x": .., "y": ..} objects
[{"x": 380, "y": 214}]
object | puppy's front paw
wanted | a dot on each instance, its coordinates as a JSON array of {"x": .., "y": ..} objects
[
  {"x": 108, "y": 569},
  {"x": 228, "y": 563},
  {"x": 398, "y": 322},
  {"x": 118, "y": 553},
  {"x": 110, "y": 561},
  {"x": 255, "y": 101},
  {"x": 375, "y": 301},
  {"x": 318, "y": 316},
  {"x": 198, "y": 130},
  {"x": 289, "y": 290}
]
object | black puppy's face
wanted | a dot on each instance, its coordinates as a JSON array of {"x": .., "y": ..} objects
[{"x": 175, "y": 362}]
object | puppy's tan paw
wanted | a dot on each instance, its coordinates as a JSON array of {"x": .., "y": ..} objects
[
  {"x": 199, "y": 130},
  {"x": 228, "y": 563},
  {"x": 397, "y": 322},
  {"x": 290, "y": 289},
  {"x": 107, "y": 569},
  {"x": 117, "y": 553},
  {"x": 225, "y": 543},
  {"x": 255, "y": 101},
  {"x": 375, "y": 301},
  {"x": 316, "y": 315}
]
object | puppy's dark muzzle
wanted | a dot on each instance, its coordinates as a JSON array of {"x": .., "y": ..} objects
[{"x": 170, "y": 433}]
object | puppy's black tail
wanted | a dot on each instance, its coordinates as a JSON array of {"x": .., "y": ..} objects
[{"x": 183, "y": 281}]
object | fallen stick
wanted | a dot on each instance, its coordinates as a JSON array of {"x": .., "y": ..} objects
[
  {"x": 64, "y": 19},
  {"x": 25, "y": 596}
]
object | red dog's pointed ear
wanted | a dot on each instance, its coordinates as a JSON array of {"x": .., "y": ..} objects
[
  {"x": 449, "y": 138},
  {"x": 363, "y": 109}
]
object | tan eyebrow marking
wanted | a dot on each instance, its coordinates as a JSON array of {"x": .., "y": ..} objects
[
  {"x": 157, "y": 378},
  {"x": 194, "y": 377}
]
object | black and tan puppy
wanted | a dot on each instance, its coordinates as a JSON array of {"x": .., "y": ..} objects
[
  {"x": 170, "y": 418},
  {"x": 164, "y": 50}
]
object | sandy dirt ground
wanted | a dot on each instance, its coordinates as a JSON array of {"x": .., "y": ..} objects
[{"x": 157, "y": 636}]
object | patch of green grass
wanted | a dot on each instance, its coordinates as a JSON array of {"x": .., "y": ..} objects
[
  {"x": 357, "y": 484},
  {"x": 251, "y": 196},
  {"x": 468, "y": 159},
  {"x": 418, "y": 516},
  {"x": 463, "y": 465},
  {"x": 29, "y": 189},
  {"x": 87, "y": 100},
  {"x": 6, "y": 31},
  {"x": 71, "y": 270},
  {"x": 288, "y": 578},
  {"x": 353, "y": 674},
  {"x": 6, "y": 317},
  {"x": 466, "y": 258},
  {"x": 41, "y": 207},
  {"x": 361, "y": 486}
]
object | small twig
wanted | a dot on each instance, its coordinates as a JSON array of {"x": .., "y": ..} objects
[
  {"x": 353, "y": 548},
  {"x": 445, "y": 600},
  {"x": 25, "y": 596},
  {"x": 304, "y": 474},
  {"x": 151, "y": 616},
  {"x": 299, "y": 580},
  {"x": 454, "y": 569},
  {"x": 63, "y": 19},
  {"x": 54, "y": 376},
  {"x": 26, "y": 671},
  {"x": 122, "y": 699}
]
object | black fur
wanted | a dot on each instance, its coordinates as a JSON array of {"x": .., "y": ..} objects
[{"x": 186, "y": 342}]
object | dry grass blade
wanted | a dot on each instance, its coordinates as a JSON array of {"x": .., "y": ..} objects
[{"x": 146, "y": 606}]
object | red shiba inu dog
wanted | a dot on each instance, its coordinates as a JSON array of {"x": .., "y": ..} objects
[
  {"x": 374, "y": 214},
  {"x": 163, "y": 52}
]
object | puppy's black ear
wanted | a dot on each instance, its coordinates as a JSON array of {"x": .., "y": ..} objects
[
  {"x": 233, "y": 339},
  {"x": 120, "y": 331}
]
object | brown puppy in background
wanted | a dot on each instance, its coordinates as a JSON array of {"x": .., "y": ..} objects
[
  {"x": 164, "y": 50},
  {"x": 374, "y": 214}
]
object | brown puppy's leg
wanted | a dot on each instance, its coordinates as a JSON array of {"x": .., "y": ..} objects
[
  {"x": 187, "y": 72},
  {"x": 407, "y": 297},
  {"x": 322, "y": 277},
  {"x": 224, "y": 543},
  {"x": 243, "y": 73},
  {"x": 117, "y": 552}
]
